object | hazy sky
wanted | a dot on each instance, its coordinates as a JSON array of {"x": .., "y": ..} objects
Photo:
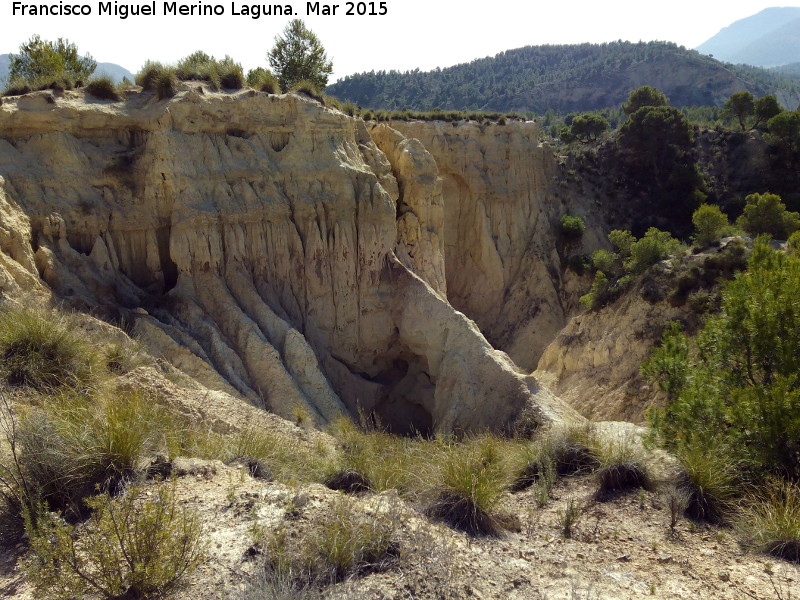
[{"x": 413, "y": 33}]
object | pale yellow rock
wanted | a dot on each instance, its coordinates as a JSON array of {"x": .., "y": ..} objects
[
  {"x": 594, "y": 363},
  {"x": 501, "y": 218},
  {"x": 269, "y": 247}
]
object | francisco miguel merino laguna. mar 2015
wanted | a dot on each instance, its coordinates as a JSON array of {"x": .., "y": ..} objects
[{"x": 201, "y": 9}]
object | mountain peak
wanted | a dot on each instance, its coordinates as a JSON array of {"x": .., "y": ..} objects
[{"x": 767, "y": 39}]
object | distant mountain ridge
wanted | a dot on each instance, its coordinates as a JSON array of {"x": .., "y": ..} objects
[
  {"x": 769, "y": 38},
  {"x": 116, "y": 72},
  {"x": 566, "y": 78}
]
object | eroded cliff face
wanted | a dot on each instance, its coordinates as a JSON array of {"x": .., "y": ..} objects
[
  {"x": 501, "y": 211},
  {"x": 265, "y": 245}
]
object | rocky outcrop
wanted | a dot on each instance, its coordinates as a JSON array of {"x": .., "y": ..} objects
[
  {"x": 501, "y": 216},
  {"x": 265, "y": 245},
  {"x": 594, "y": 363}
]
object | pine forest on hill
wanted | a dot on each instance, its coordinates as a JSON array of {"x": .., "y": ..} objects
[{"x": 566, "y": 78}]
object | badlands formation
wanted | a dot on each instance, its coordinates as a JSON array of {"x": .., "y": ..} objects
[{"x": 283, "y": 252}]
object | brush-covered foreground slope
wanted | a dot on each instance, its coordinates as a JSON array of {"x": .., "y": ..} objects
[
  {"x": 565, "y": 78},
  {"x": 283, "y": 252}
]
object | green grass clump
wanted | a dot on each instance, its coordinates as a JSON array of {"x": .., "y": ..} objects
[
  {"x": 68, "y": 448},
  {"x": 571, "y": 449},
  {"x": 307, "y": 88},
  {"x": 535, "y": 467},
  {"x": 621, "y": 467},
  {"x": 158, "y": 78},
  {"x": 372, "y": 460},
  {"x": 470, "y": 484},
  {"x": 47, "y": 351},
  {"x": 19, "y": 86},
  {"x": 103, "y": 88},
  {"x": 284, "y": 461},
  {"x": 123, "y": 356},
  {"x": 263, "y": 80},
  {"x": 224, "y": 73},
  {"x": 133, "y": 546},
  {"x": 343, "y": 543},
  {"x": 709, "y": 477},
  {"x": 772, "y": 523}
]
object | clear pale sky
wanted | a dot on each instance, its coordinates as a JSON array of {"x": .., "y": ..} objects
[{"x": 421, "y": 34}]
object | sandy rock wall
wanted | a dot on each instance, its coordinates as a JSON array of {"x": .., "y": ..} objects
[
  {"x": 264, "y": 244},
  {"x": 501, "y": 216}
]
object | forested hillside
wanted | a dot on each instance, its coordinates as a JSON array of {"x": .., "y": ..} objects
[{"x": 566, "y": 78}]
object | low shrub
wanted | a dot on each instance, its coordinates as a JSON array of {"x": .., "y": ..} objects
[
  {"x": 103, "y": 88},
  {"x": 47, "y": 351},
  {"x": 569, "y": 517},
  {"x": 677, "y": 500},
  {"x": 134, "y": 546}
]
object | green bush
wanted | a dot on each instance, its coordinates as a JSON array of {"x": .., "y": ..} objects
[
  {"x": 231, "y": 75},
  {"x": 738, "y": 377},
  {"x": 653, "y": 247},
  {"x": 47, "y": 351},
  {"x": 766, "y": 213},
  {"x": 644, "y": 96},
  {"x": 709, "y": 223},
  {"x": 572, "y": 228},
  {"x": 586, "y": 128},
  {"x": 604, "y": 290},
  {"x": 42, "y": 60},
  {"x": 103, "y": 88},
  {"x": 793, "y": 243},
  {"x": 784, "y": 129},
  {"x": 605, "y": 261},
  {"x": 623, "y": 241},
  {"x": 135, "y": 546},
  {"x": 198, "y": 66}
]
